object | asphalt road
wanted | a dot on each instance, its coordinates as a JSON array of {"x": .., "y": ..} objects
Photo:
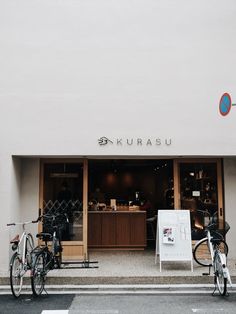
[{"x": 117, "y": 304}]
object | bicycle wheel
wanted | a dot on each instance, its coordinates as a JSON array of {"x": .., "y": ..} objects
[
  {"x": 220, "y": 280},
  {"x": 29, "y": 249},
  {"x": 16, "y": 275},
  {"x": 58, "y": 253},
  {"x": 201, "y": 252},
  {"x": 38, "y": 274},
  {"x": 58, "y": 260}
]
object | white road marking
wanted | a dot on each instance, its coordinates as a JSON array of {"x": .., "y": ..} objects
[
  {"x": 55, "y": 312},
  {"x": 208, "y": 310}
]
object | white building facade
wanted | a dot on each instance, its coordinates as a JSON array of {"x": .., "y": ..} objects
[{"x": 144, "y": 78}]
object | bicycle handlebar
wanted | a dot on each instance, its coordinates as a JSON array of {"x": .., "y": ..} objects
[
  {"x": 207, "y": 213},
  {"x": 22, "y": 223},
  {"x": 47, "y": 216},
  {"x": 52, "y": 216}
]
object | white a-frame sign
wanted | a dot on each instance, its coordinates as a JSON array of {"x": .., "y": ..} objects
[{"x": 175, "y": 242}]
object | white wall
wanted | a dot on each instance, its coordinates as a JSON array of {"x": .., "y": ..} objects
[
  {"x": 10, "y": 171},
  {"x": 19, "y": 194},
  {"x": 30, "y": 181},
  {"x": 75, "y": 70},
  {"x": 230, "y": 202}
]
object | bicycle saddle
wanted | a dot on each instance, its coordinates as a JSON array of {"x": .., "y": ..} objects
[
  {"x": 44, "y": 236},
  {"x": 16, "y": 239}
]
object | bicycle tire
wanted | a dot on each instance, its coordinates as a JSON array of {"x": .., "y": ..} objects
[
  {"x": 220, "y": 279},
  {"x": 16, "y": 275},
  {"x": 38, "y": 274},
  {"x": 58, "y": 260},
  {"x": 201, "y": 252}
]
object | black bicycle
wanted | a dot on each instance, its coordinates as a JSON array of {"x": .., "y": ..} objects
[{"x": 48, "y": 256}]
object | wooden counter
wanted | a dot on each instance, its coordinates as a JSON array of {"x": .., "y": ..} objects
[{"x": 117, "y": 229}]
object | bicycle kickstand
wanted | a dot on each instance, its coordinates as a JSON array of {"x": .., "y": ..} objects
[
  {"x": 44, "y": 289},
  {"x": 213, "y": 293},
  {"x": 209, "y": 272}
]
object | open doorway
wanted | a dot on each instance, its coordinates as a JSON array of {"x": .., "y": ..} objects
[{"x": 146, "y": 184}]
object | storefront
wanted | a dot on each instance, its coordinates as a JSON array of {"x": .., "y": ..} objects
[
  {"x": 113, "y": 203},
  {"x": 116, "y": 106}
]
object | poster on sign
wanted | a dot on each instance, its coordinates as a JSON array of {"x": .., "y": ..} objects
[
  {"x": 174, "y": 236},
  {"x": 168, "y": 235}
]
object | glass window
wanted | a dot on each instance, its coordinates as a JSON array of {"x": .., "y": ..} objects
[
  {"x": 63, "y": 190},
  {"x": 198, "y": 191}
]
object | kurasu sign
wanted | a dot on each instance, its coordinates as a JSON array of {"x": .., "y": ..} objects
[{"x": 147, "y": 142}]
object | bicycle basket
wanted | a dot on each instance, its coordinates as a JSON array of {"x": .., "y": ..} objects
[
  {"x": 59, "y": 223},
  {"x": 225, "y": 229},
  {"x": 213, "y": 226}
]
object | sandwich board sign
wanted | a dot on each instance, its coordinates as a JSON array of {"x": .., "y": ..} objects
[{"x": 174, "y": 233}]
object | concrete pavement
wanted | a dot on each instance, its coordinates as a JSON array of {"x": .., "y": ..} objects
[{"x": 129, "y": 268}]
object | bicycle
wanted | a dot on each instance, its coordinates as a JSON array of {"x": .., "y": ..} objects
[
  {"x": 218, "y": 258},
  {"x": 201, "y": 252},
  {"x": 45, "y": 258},
  {"x": 20, "y": 261},
  {"x": 221, "y": 271}
]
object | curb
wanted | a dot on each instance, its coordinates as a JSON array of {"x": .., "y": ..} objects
[
  {"x": 147, "y": 280},
  {"x": 121, "y": 289},
  {"x": 121, "y": 280}
]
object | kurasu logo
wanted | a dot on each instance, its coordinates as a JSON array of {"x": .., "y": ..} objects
[{"x": 104, "y": 141}]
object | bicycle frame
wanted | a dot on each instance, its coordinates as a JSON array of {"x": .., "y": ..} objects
[
  {"x": 210, "y": 245},
  {"x": 49, "y": 253},
  {"x": 223, "y": 261},
  {"x": 22, "y": 253},
  {"x": 55, "y": 233},
  {"x": 214, "y": 250},
  {"x": 21, "y": 243}
]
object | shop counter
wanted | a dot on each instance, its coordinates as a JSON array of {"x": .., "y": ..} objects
[{"x": 117, "y": 229}]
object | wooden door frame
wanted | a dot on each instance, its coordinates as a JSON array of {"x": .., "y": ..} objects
[
  {"x": 84, "y": 243},
  {"x": 176, "y": 171}
]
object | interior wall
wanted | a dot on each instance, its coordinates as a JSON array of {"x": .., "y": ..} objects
[
  {"x": 120, "y": 179},
  {"x": 230, "y": 202}
]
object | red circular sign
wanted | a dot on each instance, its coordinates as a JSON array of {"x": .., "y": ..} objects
[{"x": 225, "y": 104}]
